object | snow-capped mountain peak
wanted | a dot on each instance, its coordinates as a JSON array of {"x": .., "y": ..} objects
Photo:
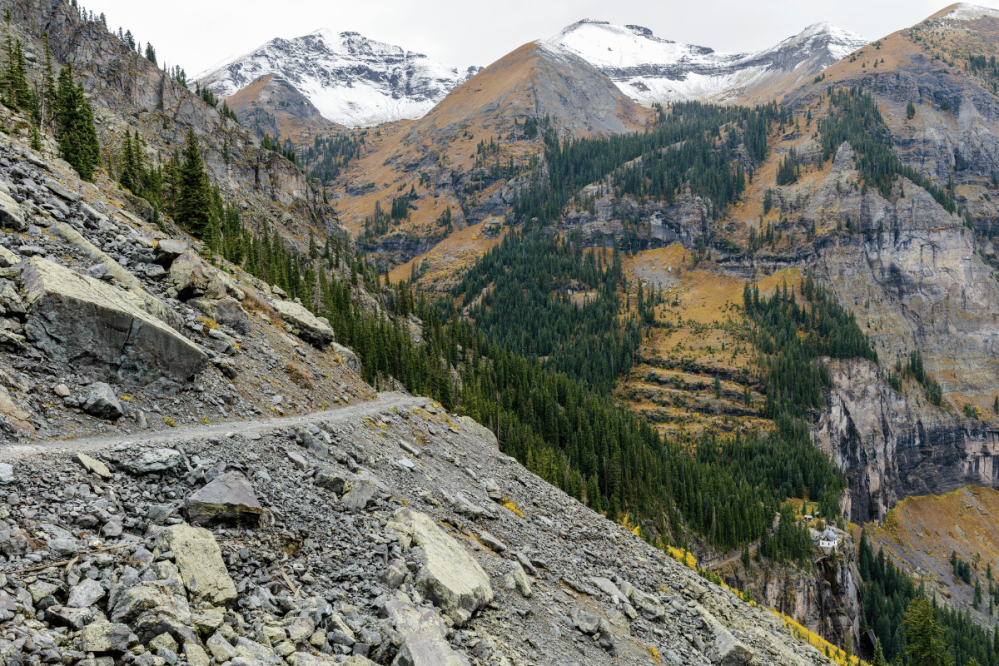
[
  {"x": 352, "y": 80},
  {"x": 652, "y": 69}
]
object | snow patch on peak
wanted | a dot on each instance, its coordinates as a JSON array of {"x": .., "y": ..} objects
[
  {"x": 352, "y": 80},
  {"x": 651, "y": 69},
  {"x": 965, "y": 11}
]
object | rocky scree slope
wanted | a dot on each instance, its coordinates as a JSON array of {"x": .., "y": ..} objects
[
  {"x": 108, "y": 324},
  {"x": 651, "y": 69},
  {"x": 128, "y": 93},
  {"x": 403, "y": 538},
  {"x": 352, "y": 80}
]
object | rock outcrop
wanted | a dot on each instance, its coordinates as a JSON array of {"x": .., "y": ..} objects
[{"x": 77, "y": 319}]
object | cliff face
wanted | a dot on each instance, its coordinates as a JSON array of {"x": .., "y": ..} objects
[
  {"x": 824, "y": 601},
  {"x": 891, "y": 448}
]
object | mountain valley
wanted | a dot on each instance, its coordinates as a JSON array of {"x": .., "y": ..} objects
[{"x": 615, "y": 350}]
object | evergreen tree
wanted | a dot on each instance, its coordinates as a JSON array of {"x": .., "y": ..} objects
[
  {"x": 925, "y": 636},
  {"x": 48, "y": 100},
  {"x": 910, "y": 110},
  {"x": 150, "y": 53},
  {"x": 879, "y": 658},
  {"x": 193, "y": 199},
  {"x": 76, "y": 133}
]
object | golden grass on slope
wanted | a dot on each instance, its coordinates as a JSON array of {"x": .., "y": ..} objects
[{"x": 922, "y": 532}]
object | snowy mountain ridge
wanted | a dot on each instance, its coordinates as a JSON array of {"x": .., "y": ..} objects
[
  {"x": 652, "y": 69},
  {"x": 352, "y": 80}
]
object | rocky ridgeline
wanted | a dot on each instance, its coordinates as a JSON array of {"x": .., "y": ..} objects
[
  {"x": 108, "y": 324},
  {"x": 402, "y": 538}
]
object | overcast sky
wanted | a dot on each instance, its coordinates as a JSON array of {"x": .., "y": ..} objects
[{"x": 197, "y": 34}]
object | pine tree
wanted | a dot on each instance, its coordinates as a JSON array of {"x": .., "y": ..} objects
[
  {"x": 925, "y": 636},
  {"x": 879, "y": 658},
  {"x": 48, "y": 83},
  {"x": 76, "y": 132},
  {"x": 193, "y": 200},
  {"x": 910, "y": 110}
]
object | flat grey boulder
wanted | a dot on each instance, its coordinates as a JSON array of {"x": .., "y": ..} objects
[
  {"x": 728, "y": 651},
  {"x": 61, "y": 190},
  {"x": 93, "y": 465},
  {"x": 86, "y": 594},
  {"x": 169, "y": 249},
  {"x": 153, "y": 460},
  {"x": 479, "y": 430},
  {"x": 101, "y": 402},
  {"x": 78, "y": 320},
  {"x": 200, "y": 563},
  {"x": 227, "y": 499},
  {"x": 309, "y": 327},
  {"x": 423, "y": 635},
  {"x": 450, "y": 578}
]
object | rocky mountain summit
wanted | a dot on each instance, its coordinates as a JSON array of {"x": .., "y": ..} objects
[
  {"x": 352, "y": 80},
  {"x": 652, "y": 69}
]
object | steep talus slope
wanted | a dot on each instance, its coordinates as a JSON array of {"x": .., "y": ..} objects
[
  {"x": 352, "y": 80},
  {"x": 130, "y": 92},
  {"x": 272, "y": 105},
  {"x": 651, "y": 69},
  {"x": 324, "y": 542}
]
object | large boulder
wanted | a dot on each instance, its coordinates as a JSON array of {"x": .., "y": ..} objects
[
  {"x": 307, "y": 326},
  {"x": 91, "y": 325},
  {"x": 200, "y": 563},
  {"x": 229, "y": 499},
  {"x": 450, "y": 577},
  {"x": 189, "y": 276},
  {"x": 100, "y": 401},
  {"x": 348, "y": 357},
  {"x": 423, "y": 635}
]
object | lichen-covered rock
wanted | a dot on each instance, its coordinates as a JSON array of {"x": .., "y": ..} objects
[
  {"x": 478, "y": 429},
  {"x": 309, "y": 327},
  {"x": 451, "y": 578},
  {"x": 200, "y": 562},
  {"x": 79, "y": 320},
  {"x": 105, "y": 637}
]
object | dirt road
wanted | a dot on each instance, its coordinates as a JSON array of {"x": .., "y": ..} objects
[{"x": 383, "y": 402}]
